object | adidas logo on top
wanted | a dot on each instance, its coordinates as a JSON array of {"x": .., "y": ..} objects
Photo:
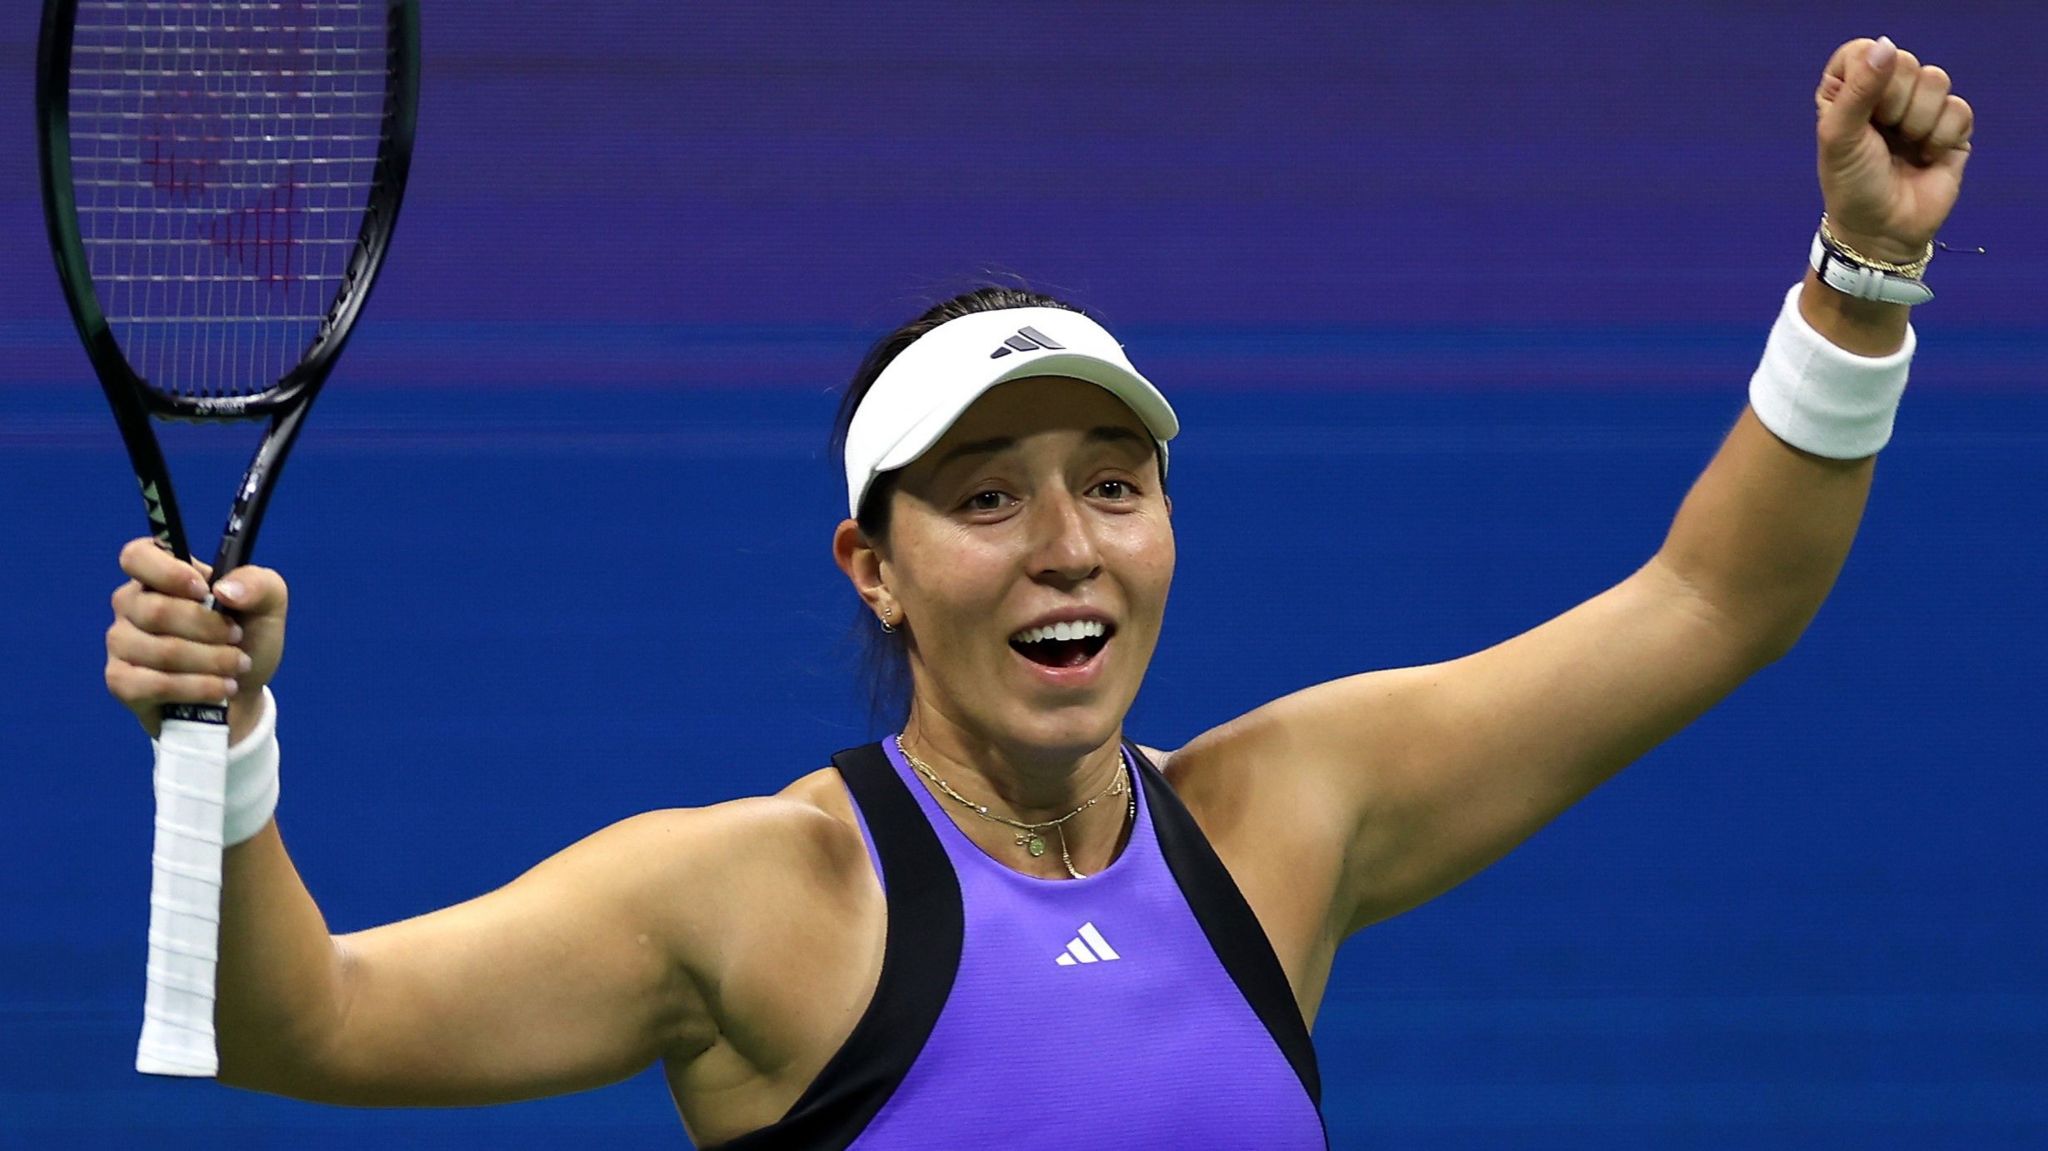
[
  {"x": 1026, "y": 340},
  {"x": 1087, "y": 947}
]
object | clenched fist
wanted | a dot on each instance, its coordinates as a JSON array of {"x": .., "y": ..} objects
[
  {"x": 167, "y": 646},
  {"x": 1893, "y": 141}
]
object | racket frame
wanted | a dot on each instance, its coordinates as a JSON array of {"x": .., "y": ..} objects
[
  {"x": 133, "y": 401},
  {"x": 177, "y": 1037}
]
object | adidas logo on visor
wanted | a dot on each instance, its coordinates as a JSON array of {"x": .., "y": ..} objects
[
  {"x": 1087, "y": 947},
  {"x": 1026, "y": 340}
]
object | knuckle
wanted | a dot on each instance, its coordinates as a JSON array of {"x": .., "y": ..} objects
[
  {"x": 121, "y": 640},
  {"x": 139, "y": 648},
  {"x": 161, "y": 615},
  {"x": 1953, "y": 125},
  {"x": 165, "y": 653},
  {"x": 132, "y": 684},
  {"x": 148, "y": 611},
  {"x": 189, "y": 688}
]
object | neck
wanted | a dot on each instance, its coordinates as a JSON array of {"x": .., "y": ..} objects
[
  {"x": 1029, "y": 785},
  {"x": 1032, "y": 783}
]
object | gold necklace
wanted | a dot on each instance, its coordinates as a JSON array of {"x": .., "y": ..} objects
[{"x": 1028, "y": 836}]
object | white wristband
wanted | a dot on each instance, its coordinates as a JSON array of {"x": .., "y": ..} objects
[
  {"x": 252, "y": 778},
  {"x": 1822, "y": 399}
]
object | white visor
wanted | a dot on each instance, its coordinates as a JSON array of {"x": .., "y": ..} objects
[{"x": 931, "y": 382}]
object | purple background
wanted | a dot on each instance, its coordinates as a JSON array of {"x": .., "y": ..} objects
[{"x": 1455, "y": 300}]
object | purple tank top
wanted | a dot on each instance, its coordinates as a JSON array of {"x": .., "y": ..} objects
[{"x": 1139, "y": 1007}]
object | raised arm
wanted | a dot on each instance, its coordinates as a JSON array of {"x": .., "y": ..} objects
[
  {"x": 1434, "y": 772},
  {"x": 585, "y": 970}
]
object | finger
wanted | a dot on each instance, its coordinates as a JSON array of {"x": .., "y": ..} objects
[
  {"x": 252, "y": 591},
  {"x": 158, "y": 614},
  {"x": 1953, "y": 127},
  {"x": 1864, "y": 68},
  {"x": 144, "y": 687},
  {"x": 1898, "y": 90},
  {"x": 1830, "y": 87},
  {"x": 1923, "y": 108},
  {"x": 160, "y": 571},
  {"x": 131, "y": 644}
]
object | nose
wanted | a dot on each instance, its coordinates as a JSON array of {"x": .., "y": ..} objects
[{"x": 1064, "y": 550}]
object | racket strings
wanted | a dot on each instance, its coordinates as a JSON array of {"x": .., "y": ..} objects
[{"x": 223, "y": 152}]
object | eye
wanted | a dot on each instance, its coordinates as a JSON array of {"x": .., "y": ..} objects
[
  {"x": 1118, "y": 490},
  {"x": 990, "y": 500}
]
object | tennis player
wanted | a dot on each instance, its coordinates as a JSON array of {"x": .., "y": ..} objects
[{"x": 1008, "y": 922}]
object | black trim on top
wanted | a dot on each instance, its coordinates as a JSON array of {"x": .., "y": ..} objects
[
  {"x": 1233, "y": 930},
  {"x": 919, "y": 961}
]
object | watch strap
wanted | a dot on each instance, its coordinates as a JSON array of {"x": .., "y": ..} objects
[{"x": 1845, "y": 274}]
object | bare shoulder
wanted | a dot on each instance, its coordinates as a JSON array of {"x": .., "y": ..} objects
[
  {"x": 817, "y": 812},
  {"x": 1160, "y": 758},
  {"x": 758, "y": 837},
  {"x": 1244, "y": 781},
  {"x": 810, "y": 821},
  {"x": 795, "y": 956},
  {"x": 1278, "y": 839},
  {"x": 692, "y": 936},
  {"x": 761, "y": 857}
]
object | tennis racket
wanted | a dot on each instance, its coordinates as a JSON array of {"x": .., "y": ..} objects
[{"x": 221, "y": 179}]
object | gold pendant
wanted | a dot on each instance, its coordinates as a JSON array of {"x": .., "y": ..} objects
[{"x": 1033, "y": 844}]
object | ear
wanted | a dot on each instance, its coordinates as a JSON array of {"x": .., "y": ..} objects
[{"x": 862, "y": 563}]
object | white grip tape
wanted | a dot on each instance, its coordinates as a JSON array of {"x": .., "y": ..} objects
[
  {"x": 184, "y": 901},
  {"x": 207, "y": 795},
  {"x": 1821, "y": 398}
]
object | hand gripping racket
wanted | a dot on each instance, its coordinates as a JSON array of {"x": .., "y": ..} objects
[{"x": 221, "y": 179}]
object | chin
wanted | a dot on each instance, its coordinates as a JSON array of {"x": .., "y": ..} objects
[{"x": 1066, "y": 731}]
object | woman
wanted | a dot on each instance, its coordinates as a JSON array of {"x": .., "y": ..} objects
[{"x": 1006, "y": 920}]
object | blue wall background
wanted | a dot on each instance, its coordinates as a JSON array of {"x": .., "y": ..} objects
[{"x": 557, "y": 535}]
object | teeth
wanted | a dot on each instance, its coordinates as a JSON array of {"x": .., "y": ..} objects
[{"x": 1080, "y": 629}]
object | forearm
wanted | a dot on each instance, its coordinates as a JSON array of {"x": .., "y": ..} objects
[
  {"x": 1767, "y": 527},
  {"x": 280, "y": 990}
]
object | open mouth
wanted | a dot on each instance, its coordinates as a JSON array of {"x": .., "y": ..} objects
[{"x": 1063, "y": 644}]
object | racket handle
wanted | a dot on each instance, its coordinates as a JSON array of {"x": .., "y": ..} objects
[{"x": 184, "y": 894}]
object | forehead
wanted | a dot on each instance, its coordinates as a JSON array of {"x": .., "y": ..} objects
[{"x": 1023, "y": 407}]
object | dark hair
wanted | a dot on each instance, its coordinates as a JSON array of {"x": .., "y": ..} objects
[{"x": 885, "y": 659}]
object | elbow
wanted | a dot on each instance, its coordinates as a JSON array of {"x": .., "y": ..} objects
[
  {"x": 295, "y": 1053},
  {"x": 1757, "y": 626},
  {"x": 1765, "y": 634},
  {"x": 1776, "y": 645}
]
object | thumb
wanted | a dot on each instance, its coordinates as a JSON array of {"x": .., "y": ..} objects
[
  {"x": 1862, "y": 68},
  {"x": 257, "y": 597},
  {"x": 252, "y": 591}
]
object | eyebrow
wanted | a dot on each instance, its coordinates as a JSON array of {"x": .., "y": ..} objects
[
  {"x": 1117, "y": 434},
  {"x": 1106, "y": 434},
  {"x": 986, "y": 447}
]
